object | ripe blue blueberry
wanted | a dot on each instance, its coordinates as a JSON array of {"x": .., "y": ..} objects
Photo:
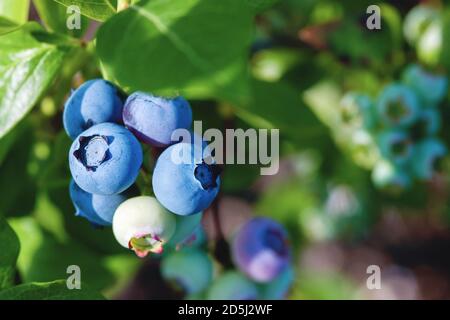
[
  {"x": 153, "y": 119},
  {"x": 398, "y": 105},
  {"x": 105, "y": 159},
  {"x": 260, "y": 249},
  {"x": 184, "y": 181},
  {"x": 278, "y": 288},
  {"x": 190, "y": 269},
  {"x": 233, "y": 285},
  {"x": 428, "y": 153},
  {"x": 390, "y": 177},
  {"x": 143, "y": 225},
  {"x": 432, "y": 88},
  {"x": 96, "y": 208},
  {"x": 396, "y": 146},
  {"x": 95, "y": 101}
]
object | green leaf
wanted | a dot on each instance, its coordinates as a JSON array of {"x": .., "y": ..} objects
[
  {"x": 265, "y": 111},
  {"x": 54, "y": 16},
  {"x": 9, "y": 251},
  {"x": 15, "y": 10},
  {"x": 17, "y": 186},
  {"x": 261, "y": 5},
  {"x": 44, "y": 258},
  {"x": 7, "y": 25},
  {"x": 99, "y": 10},
  {"x": 27, "y": 68},
  {"x": 198, "y": 48},
  {"x": 55, "y": 290}
]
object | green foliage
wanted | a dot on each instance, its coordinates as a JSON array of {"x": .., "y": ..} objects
[
  {"x": 15, "y": 10},
  {"x": 7, "y": 26},
  {"x": 194, "y": 50},
  {"x": 242, "y": 63},
  {"x": 55, "y": 290},
  {"x": 29, "y": 67},
  {"x": 95, "y": 9},
  {"x": 8, "y": 254},
  {"x": 54, "y": 16},
  {"x": 44, "y": 258}
]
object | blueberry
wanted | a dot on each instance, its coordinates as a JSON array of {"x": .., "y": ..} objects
[
  {"x": 186, "y": 231},
  {"x": 432, "y": 88},
  {"x": 416, "y": 22},
  {"x": 260, "y": 249},
  {"x": 190, "y": 269},
  {"x": 153, "y": 119},
  {"x": 278, "y": 288},
  {"x": 183, "y": 181},
  {"x": 96, "y": 101},
  {"x": 357, "y": 110},
  {"x": 429, "y": 123},
  {"x": 233, "y": 285},
  {"x": 98, "y": 209},
  {"x": 398, "y": 105},
  {"x": 396, "y": 146},
  {"x": 390, "y": 177},
  {"x": 105, "y": 159},
  {"x": 430, "y": 45},
  {"x": 143, "y": 225},
  {"x": 426, "y": 158}
]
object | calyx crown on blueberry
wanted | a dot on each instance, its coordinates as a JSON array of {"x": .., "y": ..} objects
[{"x": 105, "y": 160}]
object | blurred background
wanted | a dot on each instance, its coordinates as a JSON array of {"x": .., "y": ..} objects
[{"x": 306, "y": 57}]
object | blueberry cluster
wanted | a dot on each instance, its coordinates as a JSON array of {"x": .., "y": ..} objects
[
  {"x": 106, "y": 157},
  {"x": 260, "y": 252},
  {"x": 105, "y": 160},
  {"x": 402, "y": 123}
]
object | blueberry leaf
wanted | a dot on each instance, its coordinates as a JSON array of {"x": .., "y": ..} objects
[
  {"x": 45, "y": 258},
  {"x": 99, "y": 10},
  {"x": 55, "y": 290},
  {"x": 197, "y": 48},
  {"x": 15, "y": 10},
  {"x": 28, "y": 67},
  {"x": 7, "y": 25},
  {"x": 9, "y": 251},
  {"x": 54, "y": 17}
]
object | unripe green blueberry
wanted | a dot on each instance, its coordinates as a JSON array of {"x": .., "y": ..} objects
[
  {"x": 233, "y": 285},
  {"x": 143, "y": 225},
  {"x": 357, "y": 110},
  {"x": 390, "y": 177},
  {"x": 429, "y": 47},
  {"x": 430, "y": 87},
  {"x": 426, "y": 156},
  {"x": 396, "y": 146},
  {"x": 398, "y": 105},
  {"x": 185, "y": 230},
  {"x": 190, "y": 268},
  {"x": 416, "y": 22}
]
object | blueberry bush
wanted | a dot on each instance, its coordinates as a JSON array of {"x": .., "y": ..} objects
[{"x": 94, "y": 206}]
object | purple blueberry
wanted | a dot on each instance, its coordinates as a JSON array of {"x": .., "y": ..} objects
[
  {"x": 153, "y": 119},
  {"x": 105, "y": 159},
  {"x": 183, "y": 181},
  {"x": 260, "y": 249},
  {"x": 96, "y": 208},
  {"x": 95, "y": 101}
]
